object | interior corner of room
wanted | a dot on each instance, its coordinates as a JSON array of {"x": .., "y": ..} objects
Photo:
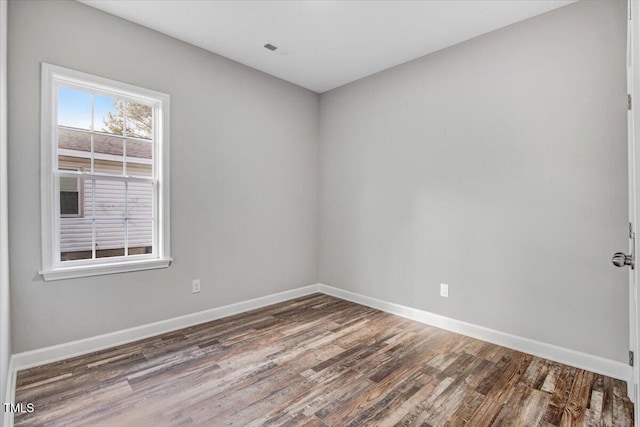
[{"x": 481, "y": 189}]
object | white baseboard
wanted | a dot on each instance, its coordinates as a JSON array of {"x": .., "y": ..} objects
[
  {"x": 42, "y": 356},
  {"x": 599, "y": 365},
  {"x": 46, "y": 355}
]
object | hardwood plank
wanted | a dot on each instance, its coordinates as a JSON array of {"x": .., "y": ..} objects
[
  {"x": 560, "y": 395},
  {"x": 574, "y": 410}
]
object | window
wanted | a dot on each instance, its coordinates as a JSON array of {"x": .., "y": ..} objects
[
  {"x": 71, "y": 190},
  {"x": 105, "y": 176}
]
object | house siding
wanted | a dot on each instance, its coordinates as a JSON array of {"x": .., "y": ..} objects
[{"x": 111, "y": 201}]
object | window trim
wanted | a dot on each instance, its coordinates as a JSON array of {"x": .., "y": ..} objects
[{"x": 51, "y": 268}]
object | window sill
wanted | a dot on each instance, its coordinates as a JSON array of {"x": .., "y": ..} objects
[{"x": 97, "y": 270}]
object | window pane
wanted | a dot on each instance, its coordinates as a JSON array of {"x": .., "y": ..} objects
[
  {"x": 140, "y": 237},
  {"x": 74, "y": 108},
  {"x": 108, "y": 152},
  {"x": 74, "y": 163},
  {"x": 69, "y": 196},
  {"x": 139, "y": 169},
  {"x": 139, "y": 158},
  {"x": 75, "y": 239},
  {"x": 139, "y": 121},
  {"x": 71, "y": 139},
  {"x": 109, "y": 238},
  {"x": 139, "y": 150},
  {"x": 109, "y": 145},
  {"x": 109, "y": 199},
  {"x": 107, "y": 166},
  {"x": 140, "y": 200},
  {"x": 74, "y": 149},
  {"x": 108, "y": 115},
  {"x": 87, "y": 198}
]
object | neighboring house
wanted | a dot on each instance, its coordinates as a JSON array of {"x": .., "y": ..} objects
[{"x": 80, "y": 201}]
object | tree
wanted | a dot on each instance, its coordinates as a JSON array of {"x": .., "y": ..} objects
[{"x": 139, "y": 120}]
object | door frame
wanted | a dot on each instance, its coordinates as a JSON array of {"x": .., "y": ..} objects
[{"x": 633, "y": 127}]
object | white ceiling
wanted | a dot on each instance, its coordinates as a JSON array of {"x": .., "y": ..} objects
[{"x": 326, "y": 43}]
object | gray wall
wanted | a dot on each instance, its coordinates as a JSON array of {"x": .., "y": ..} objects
[
  {"x": 244, "y": 167},
  {"x": 497, "y": 166}
]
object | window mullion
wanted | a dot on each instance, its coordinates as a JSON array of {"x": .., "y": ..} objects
[
  {"x": 93, "y": 219},
  {"x": 126, "y": 218},
  {"x": 155, "y": 229},
  {"x": 124, "y": 141},
  {"x": 110, "y": 218},
  {"x": 126, "y": 182},
  {"x": 93, "y": 181},
  {"x": 103, "y": 177},
  {"x": 93, "y": 113}
]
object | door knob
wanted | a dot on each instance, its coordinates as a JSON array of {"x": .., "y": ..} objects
[{"x": 620, "y": 259}]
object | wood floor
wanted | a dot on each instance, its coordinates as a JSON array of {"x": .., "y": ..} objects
[{"x": 317, "y": 361}]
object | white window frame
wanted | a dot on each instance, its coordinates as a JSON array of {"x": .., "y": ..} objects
[{"x": 52, "y": 268}]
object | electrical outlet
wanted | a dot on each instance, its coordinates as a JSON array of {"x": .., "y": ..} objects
[
  {"x": 195, "y": 286},
  {"x": 444, "y": 290}
]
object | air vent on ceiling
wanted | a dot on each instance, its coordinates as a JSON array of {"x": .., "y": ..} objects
[{"x": 275, "y": 47}]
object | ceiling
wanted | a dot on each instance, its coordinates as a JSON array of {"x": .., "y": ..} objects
[{"x": 324, "y": 44}]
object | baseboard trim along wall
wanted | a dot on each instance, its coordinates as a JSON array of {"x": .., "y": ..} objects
[
  {"x": 599, "y": 365},
  {"x": 30, "y": 359},
  {"x": 46, "y": 355}
]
